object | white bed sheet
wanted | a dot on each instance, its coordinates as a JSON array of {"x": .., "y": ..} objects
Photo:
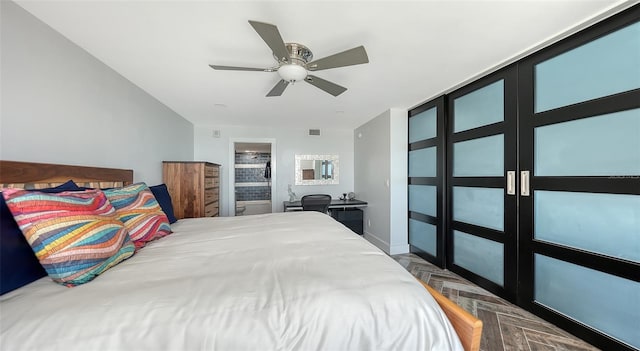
[{"x": 285, "y": 281}]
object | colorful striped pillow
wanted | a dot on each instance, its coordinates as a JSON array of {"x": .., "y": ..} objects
[
  {"x": 75, "y": 235},
  {"x": 141, "y": 214}
]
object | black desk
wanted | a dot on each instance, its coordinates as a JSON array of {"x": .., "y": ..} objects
[
  {"x": 347, "y": 212},
  {"x": 335, "y": 204}
]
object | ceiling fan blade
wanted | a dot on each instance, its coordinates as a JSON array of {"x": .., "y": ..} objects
[
  {"x": 270, "y": 34},
  {"x": 279, "y": 88},
  {"x": 233, "y": 68},
  {"x": 331, "y": 88},
  {"x": 350, "y": 57}
]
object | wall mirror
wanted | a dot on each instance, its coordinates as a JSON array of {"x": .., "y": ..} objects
[{"x": 317, "y": 169}]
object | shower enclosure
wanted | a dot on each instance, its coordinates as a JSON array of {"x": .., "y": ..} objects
[{"x": 252, "y": 178}]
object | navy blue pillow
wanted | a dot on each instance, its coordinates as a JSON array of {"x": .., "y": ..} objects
[
  {"x": 19, "y": 266},
  {"x": 161, "y": 194}
]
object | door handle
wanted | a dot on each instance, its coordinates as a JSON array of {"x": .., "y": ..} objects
[
  {"x": 511, "y": 182},
  {"x": 524, "y": 183}
]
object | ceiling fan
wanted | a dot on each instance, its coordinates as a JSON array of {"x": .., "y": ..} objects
[{"x": 294, "y": 61}]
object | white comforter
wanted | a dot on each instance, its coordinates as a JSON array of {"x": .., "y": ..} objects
[{"x": 286, "y": 281}]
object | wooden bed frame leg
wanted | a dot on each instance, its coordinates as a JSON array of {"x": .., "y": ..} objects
[{"x": 468, "y": 327}]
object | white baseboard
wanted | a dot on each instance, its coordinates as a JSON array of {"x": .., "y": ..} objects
[
  {"x": 381, "y": 244},
  {"x": 399, "y": 249},
  {"x": 384, "y": 246}
]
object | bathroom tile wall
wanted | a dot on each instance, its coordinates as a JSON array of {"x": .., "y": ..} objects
[
  {"x": 244, "y": 175},
  {"x": 251, "y": 193},
  {"x": 252, "y": 175}
]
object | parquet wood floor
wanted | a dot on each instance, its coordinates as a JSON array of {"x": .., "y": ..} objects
[{"x": 506, "y": 326}]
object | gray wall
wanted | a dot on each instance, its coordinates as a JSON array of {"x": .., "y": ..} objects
[
  {"x": 59, "y": 104},
  {"x": 287, "y": 142},
  {"x": 380, "y": 178}
]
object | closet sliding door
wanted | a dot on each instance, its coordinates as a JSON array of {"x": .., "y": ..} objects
[
  {"x": 540, "y": 198},
  {"x": 580, "y": 191},
  {"x": 426, "y": 181},
  {"x": 481, "y": 182}
]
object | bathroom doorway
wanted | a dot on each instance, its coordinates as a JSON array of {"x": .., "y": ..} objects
[{"x": 252, "y": 180}]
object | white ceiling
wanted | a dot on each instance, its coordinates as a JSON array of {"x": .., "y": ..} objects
[{"x": 416, "y": 50}]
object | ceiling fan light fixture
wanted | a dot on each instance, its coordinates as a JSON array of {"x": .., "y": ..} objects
[
  {"x": 292, "y": 72},
  {"x": 295, "y": 62}
]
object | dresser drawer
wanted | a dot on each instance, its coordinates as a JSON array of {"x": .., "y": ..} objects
[
  {"x": 211, "y": 209},
  {"x": 210, "y": 182},
  {"x": 210, "y": 171},
  {"x": 210, "y": 195}
]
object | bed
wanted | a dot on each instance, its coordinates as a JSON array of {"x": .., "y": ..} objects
[{"x": 282, "y": 281}]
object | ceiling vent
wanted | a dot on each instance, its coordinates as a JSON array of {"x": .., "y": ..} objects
[{"x": 314, "y": 131}]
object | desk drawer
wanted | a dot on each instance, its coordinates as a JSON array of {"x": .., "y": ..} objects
[{"x": 352, "y": 218}]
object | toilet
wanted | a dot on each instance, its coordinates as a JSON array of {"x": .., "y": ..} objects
[{"x": 240, "y": 210}]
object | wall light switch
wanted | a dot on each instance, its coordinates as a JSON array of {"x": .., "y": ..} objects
[{"x": 216, "y": 133}]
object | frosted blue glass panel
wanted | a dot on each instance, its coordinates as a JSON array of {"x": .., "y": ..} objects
[
  {"x": 479, "y": 206},
  {"x": 603, "y": 301},
  {"x": 422, "y": 162},
  {"x": 479, "y": 157},
  {"x": 604, "y": 223},
  {"x": 480, "y": 256},
  {"x": 478, "y": 108},
  {"x": 603, "y": 67},
  {"x": 423, "y": 236},
  {"x": 604, "y": 145},
  {"x": 422, "y": 199},
  {"x": 423, "y": 125}
]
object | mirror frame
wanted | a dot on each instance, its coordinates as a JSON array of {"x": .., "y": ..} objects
[{"x": 336, "y": 170}]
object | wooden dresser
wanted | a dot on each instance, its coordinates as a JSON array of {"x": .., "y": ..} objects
[{"x": 194, "y": 187}]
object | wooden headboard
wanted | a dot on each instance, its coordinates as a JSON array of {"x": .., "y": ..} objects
[{"x": 29, "y": 175}]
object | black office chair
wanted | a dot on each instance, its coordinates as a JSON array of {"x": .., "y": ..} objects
[{"x": 316, "y": 202}]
